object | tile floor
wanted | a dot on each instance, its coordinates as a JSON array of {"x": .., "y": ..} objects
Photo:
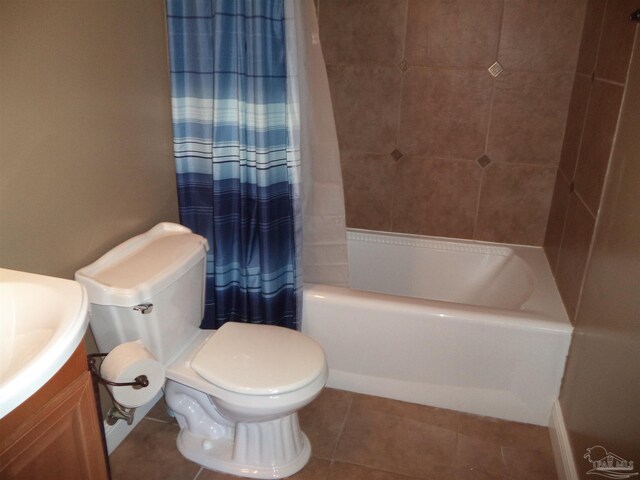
[{"x": 360, "y": 437}]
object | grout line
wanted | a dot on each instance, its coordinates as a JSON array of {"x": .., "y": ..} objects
[
  {"x": 395, "y": 473},
  {"x": 198, "y": 474},
  {"x": 406, "y": 30},
  {"x": 475, "y": 220},
  {"x": 606, "y": 80},
  {"x": 453, "y": 67},
  {"x": 584, "y": 204},
  {"x": 398, "y": 121},
  {"x": 504, "y": 460},
  {"x": 494, "y": 82},
  {"x": 344, "y": 422},
  {"x": 328, "y": 473},
  {"x": 489, "y": 122},
  {"x": 157, "y": 420}
]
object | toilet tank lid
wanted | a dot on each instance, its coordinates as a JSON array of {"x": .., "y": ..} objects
[{"x": 142, "y": 266}]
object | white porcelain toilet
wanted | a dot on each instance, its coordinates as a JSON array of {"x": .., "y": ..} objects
[{"x": 235, "y": 391}]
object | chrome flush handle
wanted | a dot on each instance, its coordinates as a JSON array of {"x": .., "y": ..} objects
[{"x": 144, "y": 308}]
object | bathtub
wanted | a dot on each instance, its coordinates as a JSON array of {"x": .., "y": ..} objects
[{"x": 464, "y": 325}]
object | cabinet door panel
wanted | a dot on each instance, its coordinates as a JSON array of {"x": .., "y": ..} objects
[{"x": 64, "y": 442}]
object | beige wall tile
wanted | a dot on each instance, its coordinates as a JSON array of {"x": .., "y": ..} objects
[
  {"x": 606, "y": 339},
  {"x": 541, "y": 35},
  {"x": 362, "y": 31},
  {"x": 594, "y": 15},
  {"x": 436, "y": 197},
  {"x": 575, "y": 124},
  {"x": 557, "y": 217},
  {"x": 514, "y": 203},
  {"x": 599, "y": 129},
  {"x": 445, "y": 113},
  {"x": 369, "y": 183},
  {"x": 528, "y": 117},
  {"x": 365, "y": 103},
  {"x": 617, "y": 40},
  {"x": 572, "y": 258},
  {"x": 460, "y": 33}
]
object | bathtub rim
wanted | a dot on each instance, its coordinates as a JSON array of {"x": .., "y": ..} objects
[{"x": 496, "y": 317}]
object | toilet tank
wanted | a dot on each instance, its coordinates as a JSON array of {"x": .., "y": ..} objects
[{"x": 149, "y": 288}]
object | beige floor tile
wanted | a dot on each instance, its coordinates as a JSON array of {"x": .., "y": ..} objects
[
  {"x": 399, "y": 437},
  {"x": 530, "y": 464},
  {"x": 501, "y": 449},
  {"x": 480, "y": 454},
  {"x": 345, "y": 471},
  {"x": 316, "y": 469},
  {"x": 358, "y": 437},
  {"x": 150, "y": 453},
  {"x": 503, "y": 433},
  {"x": 473, "y": 473},
  {"x": 323, "y": 419},
  {"x": 159, "y": 413}
]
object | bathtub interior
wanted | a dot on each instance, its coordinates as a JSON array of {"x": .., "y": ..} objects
[{"x": 511, "y": 277}]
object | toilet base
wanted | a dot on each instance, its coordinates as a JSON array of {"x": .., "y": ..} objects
[
  {"x": 267, "y": 447},
  {"x": 260, "y": 457}
]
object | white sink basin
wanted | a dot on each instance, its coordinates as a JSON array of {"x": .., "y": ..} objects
[{"x": 42, "y": 321}]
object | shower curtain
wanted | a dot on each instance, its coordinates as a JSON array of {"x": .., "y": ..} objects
[{"x": 237, "y": 146}]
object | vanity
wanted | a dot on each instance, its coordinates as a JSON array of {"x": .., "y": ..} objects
[{"x": 49, "y": 425}]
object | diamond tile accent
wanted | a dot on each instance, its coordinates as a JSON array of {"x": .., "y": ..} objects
[
  {"x": 397, "y": 154},
  {"x": 403, "y": 65},
  {"x": 483, "y": 161},
  {"x": 495, "y": 69}
]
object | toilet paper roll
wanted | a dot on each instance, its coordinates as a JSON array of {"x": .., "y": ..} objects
[{"x": 123, "y": 364}]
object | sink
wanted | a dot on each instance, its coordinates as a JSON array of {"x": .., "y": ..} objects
[{"x": 42, "y": 321}]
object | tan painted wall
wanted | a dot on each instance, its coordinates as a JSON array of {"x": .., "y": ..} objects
[
  {"x": 85, "y": 130},
  {"x": 601, "y": 390}
]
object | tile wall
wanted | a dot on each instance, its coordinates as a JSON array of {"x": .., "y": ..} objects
[
  {"x": 598, "y": 87},
  {"x": 431, "y": 143}
]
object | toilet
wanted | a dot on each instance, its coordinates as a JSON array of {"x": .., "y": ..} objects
[{"x": 235, "y": 391}]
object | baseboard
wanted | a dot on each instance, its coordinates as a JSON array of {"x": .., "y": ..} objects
[
  {"x": 117, "y": 432},
  {"x": 562, "y": 453}
]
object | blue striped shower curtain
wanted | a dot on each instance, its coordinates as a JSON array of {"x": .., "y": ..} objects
[{"x": 236, "y": 159}]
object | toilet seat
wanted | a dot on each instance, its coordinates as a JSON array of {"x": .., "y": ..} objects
[
  {"x": 253, "y": 359},
  {"x": 181, "y": 371}
]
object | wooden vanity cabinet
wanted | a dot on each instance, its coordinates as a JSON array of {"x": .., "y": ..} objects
[{"x": 55, "y": 433}]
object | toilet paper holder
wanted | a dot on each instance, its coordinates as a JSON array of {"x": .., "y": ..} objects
[{"x": 117, "y": 412}]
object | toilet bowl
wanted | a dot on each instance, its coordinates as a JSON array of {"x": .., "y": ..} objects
[
  {"x": 236, "y": 399},
  {"x": 234, "y": 391}
]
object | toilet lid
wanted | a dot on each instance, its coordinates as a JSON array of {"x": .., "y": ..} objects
[{"x": 259, "y": 359}]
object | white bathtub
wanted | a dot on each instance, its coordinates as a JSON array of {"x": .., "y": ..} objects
[{"x": 470, "y": 326}]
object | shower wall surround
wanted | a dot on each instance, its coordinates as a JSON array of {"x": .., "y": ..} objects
[
  {"x": 431, "y": 142},
  {"x": 598, "y": 90}
]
